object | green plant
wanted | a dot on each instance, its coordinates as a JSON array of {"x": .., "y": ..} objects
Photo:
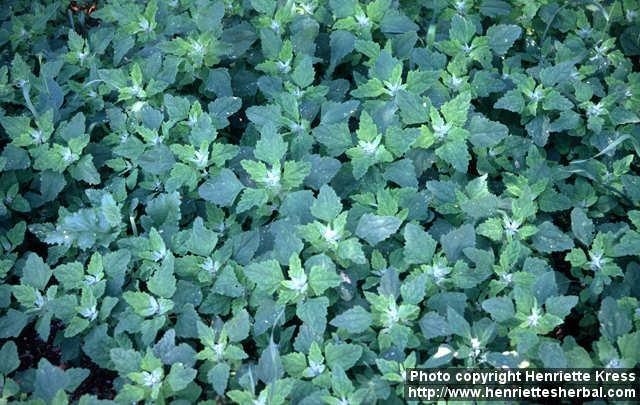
[{"x": 275, "y": 201}]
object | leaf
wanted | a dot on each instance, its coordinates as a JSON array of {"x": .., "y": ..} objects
[
  {"x": 271, "y": 148},
  {"x": 552, "y": 355},
  {"x": 221, "y": 189},
  {"x": 354, "y": 320},
  {"x": 456, "y": 154},
  {"x": 313, "y": 313},
  {"x": 180, "y": 376},
  {"x": 458, "y": 325},
  {"x": 322, "y": 279},
  {"x": 334, "y": 113},
  {"x": 486, "y": 133},
  {"x": 341, "y": 43},
  {"x": 562, "y": 72},
  {"x": 36, "y": 273},
  {"x": 455, "y": 110},
  {"x": 202, "y": 240},
  {"x": 462, "y": 30},
  {"x": 125, "y": 360},
  {"x": 432, "y": 325},
  {"x": 454, "y": 242},
  {"x": 335, "y": 137},
  {"x": 304, "y": 73},
  {"x": 500, "y": 308},
  {"x": 561, "y": 306},
  {"x": 9, "y": 360},
  {"x": 163, "y": 281},
  {"x": 158, "y": 160},
  {"x": 327, "y": 205},
  {"x": 12, "y": 323},
  {"x": 419, "y": 246},
  {"x": 267, "y": 275},
  {"x": 582, "y": 226},
  {"x": 218, "y": 377},
  {"x": 495, "y": 8},
  {"x": 502, "y": 36},
  {"x": 342, "y": 355},
  {"x": 413, "y": 289},
  {"x": 351, "y": 249},
  {"x": 238, "y": 326},
  {"x": 412, "y": 109},
  {"x": 50, "y": 379},
  {"x": 376, "y": 228},
  {"x": 227, "y": 283},
  {"x": 550, "y": 238},
  {"x": 511, "y": 100},
  {"x": 270, "y": 365},
  {"x": 539, "y": 130},
  {"x": 614, "y": 320}
]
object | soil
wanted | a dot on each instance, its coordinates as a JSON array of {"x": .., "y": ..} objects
[{"x": 31, "y": 349}]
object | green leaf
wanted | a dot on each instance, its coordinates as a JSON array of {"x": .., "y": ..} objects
[
  {"x": 539, "y": 130},
  {"x": 432, "y": 325},
  {"x": 163, "y": 281},
  {"x": 502, "y": 36},
  {"x": 36, "y": 273},
  {"x": 582, "y": 226},
  {"x": 354, "y": 320},
  {"x": 227, "y": 283},
  {"x": 462, "y": 30},
  {"x": 511, "y": 100},
  {"x": 9, "y": 359},
  {"x": 218, "y": 377},
  {"x": 455, "y": 110},
  {"x": 456, "y": 154},
  {"x": 313, "y": 313},
  {"x": 336, "y": 138},
  {"x": 341, "y": 43},
  {"x": 500, "y": 308},
  {"x": 158, "y": 160},
  {"x": 322, "y": 278},
  {"x": 552, "y": 355},
  {"x": 413, "y": 289},
  {"x": 458, "y": 325},
  {"x": 50, "y": 379},
  {"x": 614, "y": 320},
  {"x": 454, "y": 242},
  {"x": 342, "y": 355},
  {"x": 334, "y": 113},
  {"x": 413, "y": 109},
  {"x": 125, "y": 360},
  {"x": 180, "y": 376},
  {"x": 221, "y": 189},
  {"x": 419, "y": 246},
  {"x": 376, "y": 228},
  {"x": 486, "y": 133},
  {"x": 238, "y": 326},
  {"x": 550, "y": 238},
  {"x": 271, "y": 148},
  {"x": 327, "y": 205},
  {"x": 267, "y": 275},
  {"x": 561, "y": 306},
  {"x": 351, "y": 249},
  {"x": 562, "y": 72}
]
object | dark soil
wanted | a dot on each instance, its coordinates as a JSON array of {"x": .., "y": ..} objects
[
  {"x": 99, "y": 382},
  {"x": 31, "y": 349}
]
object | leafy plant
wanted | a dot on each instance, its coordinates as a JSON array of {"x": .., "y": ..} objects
[{"x": 283, "y": 201}]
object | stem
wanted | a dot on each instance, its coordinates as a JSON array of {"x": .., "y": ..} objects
[{"x": 27, "y": 100}]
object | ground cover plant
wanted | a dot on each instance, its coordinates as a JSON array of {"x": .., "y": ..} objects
[{"x": 267, "y": 202}]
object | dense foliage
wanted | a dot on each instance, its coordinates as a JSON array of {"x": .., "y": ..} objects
[{"x": 286, "y": 201}]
